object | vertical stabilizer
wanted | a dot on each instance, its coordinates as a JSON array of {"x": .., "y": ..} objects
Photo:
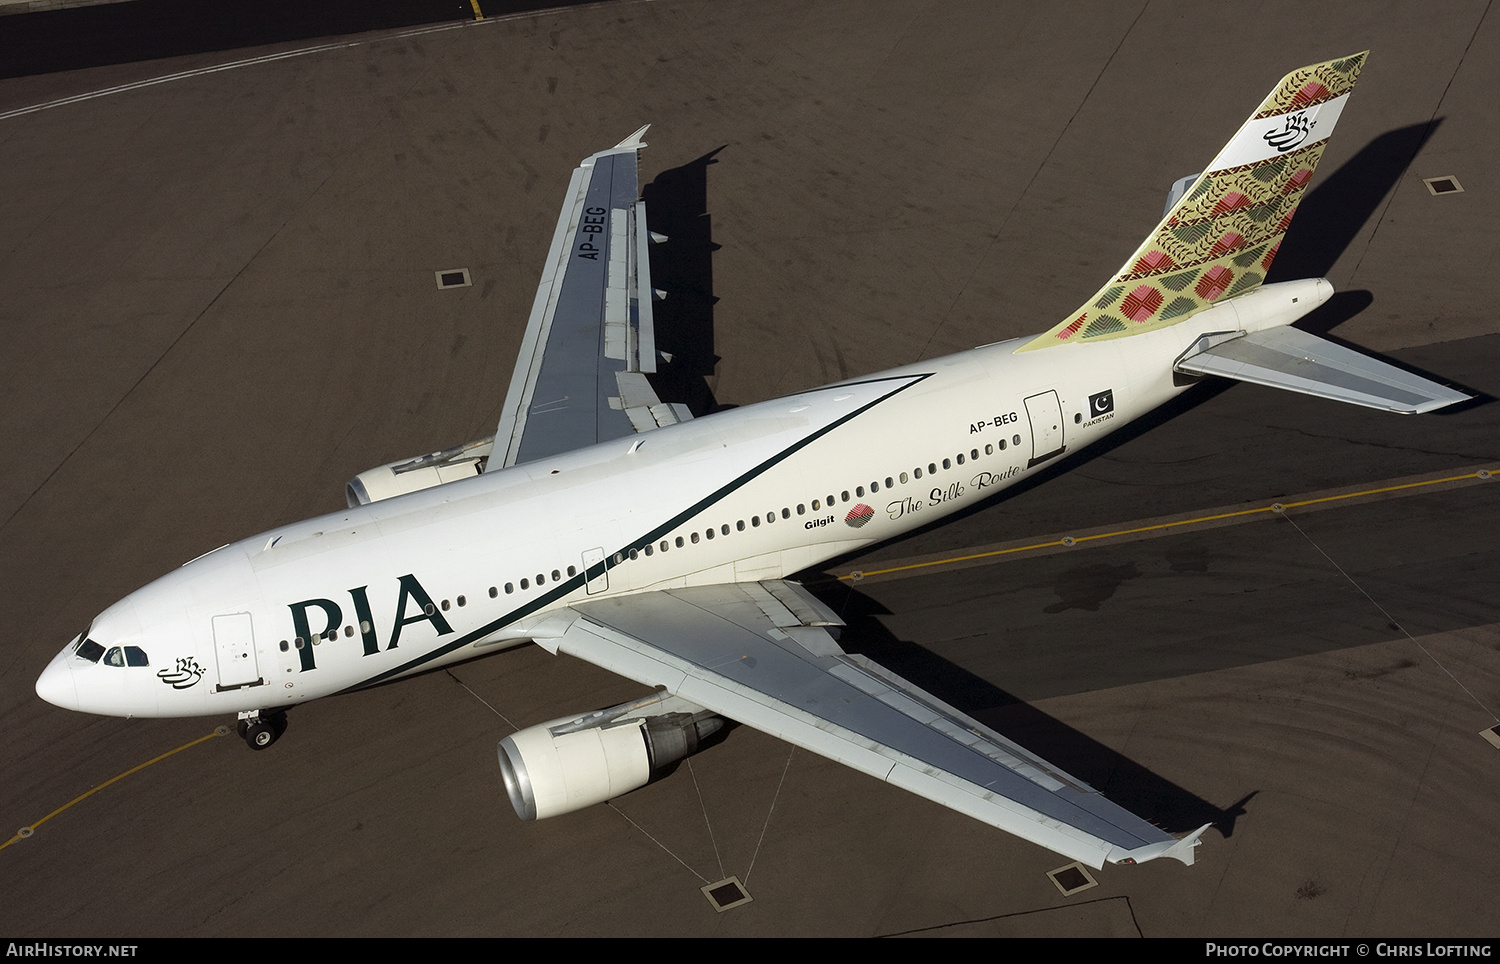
[{"x": 1219, "y": 239}]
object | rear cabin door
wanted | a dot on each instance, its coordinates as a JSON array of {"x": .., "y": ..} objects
[{"x": 1045, "y": 413}]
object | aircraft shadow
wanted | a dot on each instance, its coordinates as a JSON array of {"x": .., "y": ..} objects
[{"x": 682, "y": 266}]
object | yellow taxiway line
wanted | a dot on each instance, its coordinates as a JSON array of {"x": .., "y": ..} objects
[
  {"x": 1408, "y": 486},
  {"x": 25, "y": 832}
]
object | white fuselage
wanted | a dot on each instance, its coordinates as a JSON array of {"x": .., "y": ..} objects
[{"x": 759, "y": 492}]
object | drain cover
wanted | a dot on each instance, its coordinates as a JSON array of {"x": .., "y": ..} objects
[{"x": 726, "y": 894}]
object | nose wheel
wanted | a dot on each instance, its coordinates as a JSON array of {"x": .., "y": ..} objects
[{"x": 260, "y": 731}]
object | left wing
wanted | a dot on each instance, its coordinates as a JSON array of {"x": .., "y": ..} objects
[
  {"x": 590, "y": 342},
  {"x": 762, "y": 654}
]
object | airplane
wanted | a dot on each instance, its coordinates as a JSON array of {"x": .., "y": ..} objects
[{"x": 604, "y": 523}]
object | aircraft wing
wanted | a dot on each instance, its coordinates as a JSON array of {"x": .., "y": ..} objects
[
  {"x": 762, "y": 654},
  {"x": 590, "y": 342}
]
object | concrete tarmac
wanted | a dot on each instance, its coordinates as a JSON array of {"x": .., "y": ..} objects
[{"x": 220, "y": 305}]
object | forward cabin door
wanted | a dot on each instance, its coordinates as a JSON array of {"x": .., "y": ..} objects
[{"x": 234, "y": 646}]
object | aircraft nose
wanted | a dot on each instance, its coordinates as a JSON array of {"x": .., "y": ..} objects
[{"x": 55, "y": 685}]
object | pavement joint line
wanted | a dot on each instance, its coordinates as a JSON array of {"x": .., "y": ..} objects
[
  {"x": 1277, "y": 508},
  {"x": 27, "y": 831},
  {"x": 479, "y": 18}
]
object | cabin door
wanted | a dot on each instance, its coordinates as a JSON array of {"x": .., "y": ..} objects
[
  {"x": 234, "y": 646},
  {"x": 595, "y": 571},
  {"x": 1045, "y": 413}
]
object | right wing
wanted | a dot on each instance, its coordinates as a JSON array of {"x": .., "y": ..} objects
[
  {"x": 590, "y": 342},
  {"x": 761, "y": 653}
]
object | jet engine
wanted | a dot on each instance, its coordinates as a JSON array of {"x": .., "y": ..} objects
[
  {"x": 423, "y": 472},
  {"x": 569, "y": 764}
]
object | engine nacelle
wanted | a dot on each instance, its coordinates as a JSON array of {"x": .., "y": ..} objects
[
  {"x": 423, "y": 472},
  {"x": 552, "y": 768}
]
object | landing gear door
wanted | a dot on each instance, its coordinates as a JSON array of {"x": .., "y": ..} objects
[
  {"x": 234, "y": 646},
  {"x": 1045, "y": 413},
  {"x": 595, "y": 571}
]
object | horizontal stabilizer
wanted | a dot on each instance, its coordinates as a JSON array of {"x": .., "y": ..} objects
[{"x": 1292, "y": 359}]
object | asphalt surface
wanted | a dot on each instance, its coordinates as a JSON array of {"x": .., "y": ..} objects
[{"x": 220, "y": 305}]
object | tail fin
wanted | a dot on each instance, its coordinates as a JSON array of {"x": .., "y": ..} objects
[{"x": 1218, "y": 240}]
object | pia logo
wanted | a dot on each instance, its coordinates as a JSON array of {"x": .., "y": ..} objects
[{"x": 859, "y": 515}]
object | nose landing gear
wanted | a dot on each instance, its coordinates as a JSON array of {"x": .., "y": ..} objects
[{"x": 259, "y": 729}]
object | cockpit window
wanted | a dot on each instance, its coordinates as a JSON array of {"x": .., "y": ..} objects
[
  {"x": 125, "y": 656},
  {"x": 89, "y": 650}
]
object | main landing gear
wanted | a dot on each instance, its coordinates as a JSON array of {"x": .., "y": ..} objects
[{"x": 260, "y": 729}]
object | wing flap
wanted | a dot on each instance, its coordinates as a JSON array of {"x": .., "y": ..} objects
[
  {"x": 745, "y": 653},
  {"x": 1295, "y": 360}
]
